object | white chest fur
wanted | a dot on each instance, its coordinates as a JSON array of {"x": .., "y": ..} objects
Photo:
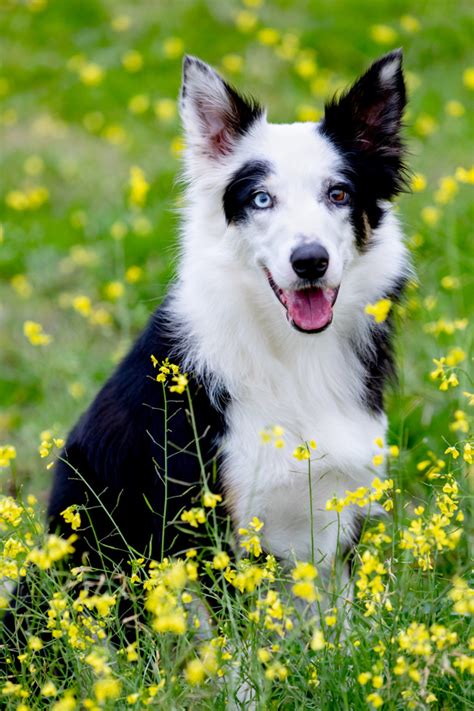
[{"x": 268, "y": 482}]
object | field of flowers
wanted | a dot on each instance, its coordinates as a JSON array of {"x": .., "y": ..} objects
[{"x": 88, "y": 230}]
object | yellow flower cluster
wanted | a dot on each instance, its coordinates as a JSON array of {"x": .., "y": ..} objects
[
  {"x": 363, "y": 496},
  {"x": 440, "y": 373},
  {"x": 47, "y": 443},
  {"x": 166, "y": 368},
  {"x": 28, "y": 199},
  {"x": 7, "y": 455},
  {"x": 54, "y": 549},
  {"x": 71, "y": 515},
  {"x": 303, "y": 451},
  {"x": 194, "y": 517},
  {"x": 424, "y": 538},
  {"x": 35, "y": 334},
  {"x": 164, "y": 599},
  {"x": 250, "y": 541},
  {"x": 273, "y": 434},
  {"x": 304, "y": 575},
  {"x": 139, "y": 187},
  {"x": 462, "y": 596}
]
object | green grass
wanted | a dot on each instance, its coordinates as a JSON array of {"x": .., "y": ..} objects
[{"x": 87, "y": 139}]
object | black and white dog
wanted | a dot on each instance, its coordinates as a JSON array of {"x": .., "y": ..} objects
[{"x": 288, "y": 233}]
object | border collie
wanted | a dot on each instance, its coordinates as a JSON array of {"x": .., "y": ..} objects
[{"x": 288, "y": 233}]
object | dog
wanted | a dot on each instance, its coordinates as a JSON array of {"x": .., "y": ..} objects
[{"x": 288, "y": 232}]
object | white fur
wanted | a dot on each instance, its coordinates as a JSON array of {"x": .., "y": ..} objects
[{"x": 234, "y": 329}]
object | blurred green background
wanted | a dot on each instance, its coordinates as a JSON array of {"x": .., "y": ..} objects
[{"x": 88, "y": 90}]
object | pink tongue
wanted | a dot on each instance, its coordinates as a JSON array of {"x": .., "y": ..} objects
[{"x": 309, "y": 309}]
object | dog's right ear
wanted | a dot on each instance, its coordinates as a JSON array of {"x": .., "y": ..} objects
[{"x": 214, "y": 115}]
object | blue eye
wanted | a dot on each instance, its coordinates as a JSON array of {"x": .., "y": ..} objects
[{"x": 262, "y": 200}]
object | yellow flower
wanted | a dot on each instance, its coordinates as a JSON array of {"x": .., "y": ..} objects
[
  {"x": 107, "y": 688},
  {"x": 430, "y": 215},
  {"x": 425, "y": 125},
  {"x": 35, "y": 644},
  {"x": 121, "y": 23},
  {"x": 364, "y": 678},
  {"x": 54, "y": 549},
  {"x": 194, "y": 517},
  {"x": 375, "y": 700},
  {"x": 468, "y": 78},
  {"x": 220, "y": 561},
  {"x": 181, "y": 382},
  {"x": 245, "y": 21},
  {"x": 139, "y": 187},
  {"x": 305, "y": 590},
  {"x": 468, "y": 453},
  {"x": 133, "y": 274},
  {"x": 165, "y": 109},
  {"x": 317, "y": 641},
  {"x": 35, "y": 334},
  {"x": 195, "y": 672},
  {"x": 132, "y": 61},
  {"x": 263, "y": 655},
  {"x": 114, "y": 290},
  {"x": 454, "y": 108},
  {"x": 418, "y": 183},
  {"x": 452, "y": 451},
  {"x": 256, "y": 524},
  {"x": 268, "y": 36},
  {"x": 304, "y": 571},
  {"x": 232, "y": 63},
  {"x": 276, "y": 670},
  {"x": 379, "y": 310},
  {"x": 377, "y": 460},
  {"x": 91, "y": 74},
  {"x": 7, "y": 454},
  {"x": 72, "y": 516},
  {"x": 448, "y": 188},
  {"x": 305, "y": 64},
  {"x": 49, "y": 689},
  {"x": 139, "y": 103},
  {"x": 211, "y": 500},
  {"x": 410, "y": 24},
  {"x": 383, "y": 34},
  {"x": 306, "y": 112},
  {"x": 21, "y": 285},
  {"x": 173, "y": 47}
]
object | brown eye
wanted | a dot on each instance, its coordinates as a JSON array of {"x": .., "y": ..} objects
[{"x": 338, "y": 196}]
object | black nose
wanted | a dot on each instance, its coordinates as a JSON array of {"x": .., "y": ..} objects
[{"x": 310, "y": 261}]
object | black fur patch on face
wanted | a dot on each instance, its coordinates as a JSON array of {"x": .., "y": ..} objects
[
  {"x": 364, "y": 124},
  {"x": 378, "y": 357},
  {"x": 244, "y": 183}
]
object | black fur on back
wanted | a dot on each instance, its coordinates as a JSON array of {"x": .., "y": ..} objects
[{"x": 114, "y": 464}]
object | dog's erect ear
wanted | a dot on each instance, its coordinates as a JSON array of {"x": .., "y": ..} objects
[
  {"x": 213, "y": 113},
  {"x": 367, "y": 118}
]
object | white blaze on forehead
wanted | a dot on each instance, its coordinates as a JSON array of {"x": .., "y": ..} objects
[{"x": 296, "y": 151}]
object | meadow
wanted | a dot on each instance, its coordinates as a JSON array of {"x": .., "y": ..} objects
[{"x": 89, "y": 214}]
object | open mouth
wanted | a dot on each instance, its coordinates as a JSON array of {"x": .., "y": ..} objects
[{"x": 309, "y": 309}]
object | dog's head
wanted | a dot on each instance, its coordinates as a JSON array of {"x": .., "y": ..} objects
[{"x": 301, "y": 200}]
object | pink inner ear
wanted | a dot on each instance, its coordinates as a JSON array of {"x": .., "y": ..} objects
[{"x": 221, "y": 142}]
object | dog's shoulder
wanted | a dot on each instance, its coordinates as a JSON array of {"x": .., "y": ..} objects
[{"x": 139, "y": 442}]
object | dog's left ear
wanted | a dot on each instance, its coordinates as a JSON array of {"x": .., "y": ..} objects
[
  {"x": 366, "y": 120},
  {"x": 214, "y": 115}
]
